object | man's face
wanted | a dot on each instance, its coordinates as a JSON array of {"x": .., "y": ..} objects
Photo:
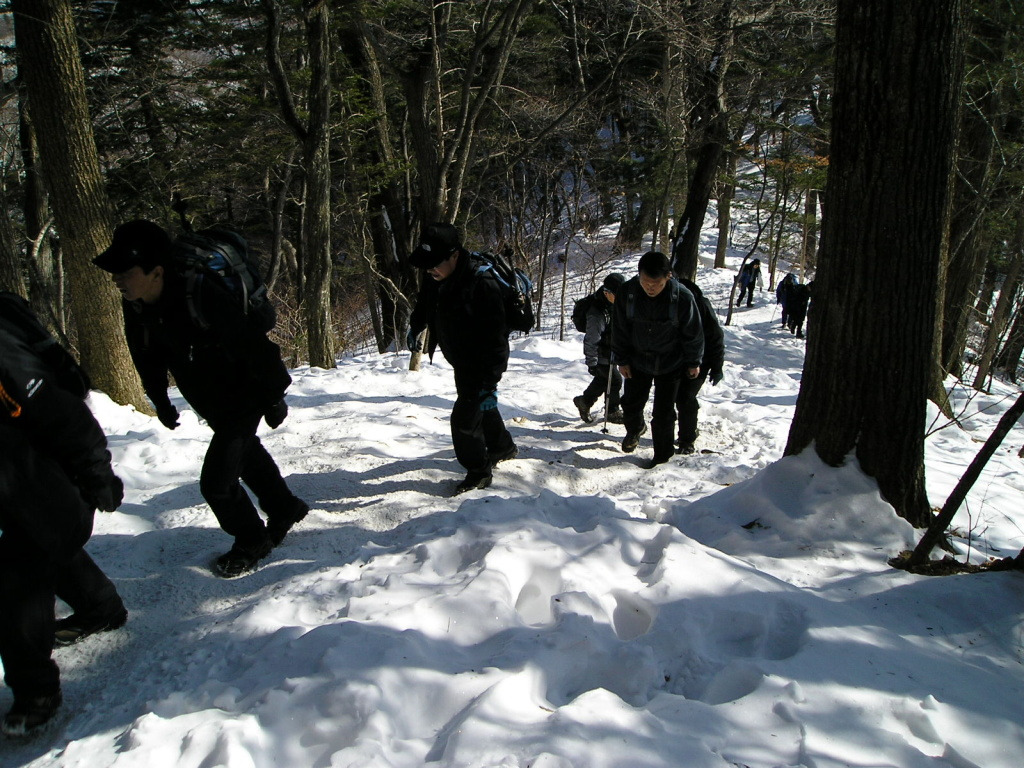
[
  {"x": 445, "y": 268},
  {"x": 653, "y": 285},
  {"x": 137, "y": 285}
]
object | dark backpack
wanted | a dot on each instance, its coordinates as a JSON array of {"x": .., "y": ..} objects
[
  {"x": 579, "y": 312},
  {"x": 17, "y": 318},
  {"x": 222, "y": 255},
  {"x": 516, "y": 289}
]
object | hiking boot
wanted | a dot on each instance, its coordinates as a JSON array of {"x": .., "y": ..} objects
[
  {"x": 583, "y": 407},
  {"x": 632, "y": 439},
  {"x": 685, "y": 449},
  {"x": 473, "y": 481},
  {"x": 241, "y": 558},
  {"x": 509, "y": 453},
  {"x": 30, "y": 713},
  {"x": 75, "y": 627},
  {"x": 655, "y": 462},
  {"x": 615, "y": 416},
  {"x": 279, "y": 525}
]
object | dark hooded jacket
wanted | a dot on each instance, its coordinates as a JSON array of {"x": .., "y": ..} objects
[
  {"x": 227, "y": 371},
  {"x": 659, "y": 335},
  {"x": 714, "y": 337},
  {"x": 466, "y": 316}
]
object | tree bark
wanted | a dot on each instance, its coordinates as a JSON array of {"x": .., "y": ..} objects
[
  {"x": 50, "y": 65},
  {"x": 899, "y": 67}
]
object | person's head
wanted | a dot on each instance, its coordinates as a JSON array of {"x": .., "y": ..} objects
[
  {"x": 755, "y": 263},
  {"x": 137, "y": 260},
  {"x": 655, "y": 272},
  {"x": 611, "y": 285},
  {"x": 438, "y": 251}
]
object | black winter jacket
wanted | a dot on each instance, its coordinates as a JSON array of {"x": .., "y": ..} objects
[
  {"x": 714, "y": 337},
  {"x": 597, "y": 341},
  {"x": 225, "y": 372},
  {"x": 466, "y": 316},
  {"x": 46, "y": 432},
  {"x": 659, "y": 335}
]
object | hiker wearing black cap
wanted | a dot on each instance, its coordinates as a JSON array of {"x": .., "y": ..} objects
[
  {"x": 597, "y": 348},
  {"x": 710, "y": 369},
  {"x": 229, "y": 372},
  {"x": 656, "y": 339},
  {"x": 55, "y": 472},
  {"x": 464, "y": 310}
]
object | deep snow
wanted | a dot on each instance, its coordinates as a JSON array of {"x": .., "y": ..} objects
[{"x": 727, "y": 609}]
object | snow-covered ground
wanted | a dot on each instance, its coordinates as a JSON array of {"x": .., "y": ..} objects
[{"x": 731, "y": 609}]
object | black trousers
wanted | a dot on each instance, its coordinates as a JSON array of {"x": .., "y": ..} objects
[
  {"x": 687, "y": 405},
  {"x": 45, "y": 523},
  {"x": 236, "y": 454},
  {"x": 476, "y": 433},
  {"x": 749, "y": 291},
  {"x": 663, "y": 419},
  {"x": 596, "y": 389}
]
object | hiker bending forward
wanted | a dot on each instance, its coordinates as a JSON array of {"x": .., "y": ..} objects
[
  {"x": 229, "y": 372},
  {"x": 464, "y": 309}
]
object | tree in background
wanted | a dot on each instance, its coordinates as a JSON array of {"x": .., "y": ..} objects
[
  {"x": 50, "y": 65},
  {"x": 873, "y": 319}
]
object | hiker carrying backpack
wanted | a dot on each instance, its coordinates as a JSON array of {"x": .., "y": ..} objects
[{"x": 516, "y": 290}]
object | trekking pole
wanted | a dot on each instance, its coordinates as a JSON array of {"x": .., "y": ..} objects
[{"x": 607, "y": 393}]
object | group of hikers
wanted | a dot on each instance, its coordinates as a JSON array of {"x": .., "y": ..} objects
[{"x": 650, "y": 331}]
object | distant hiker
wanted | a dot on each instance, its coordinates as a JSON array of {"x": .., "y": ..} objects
[
  {"x": 463, "y": 306},
  {"x": 710, "y": 368},
  {"x": 656, "y": 339},
  {"x": 782, "y": 294},
  {"x": 597, "y": 348},
  {"x": 799, "y": 297},
  {"x": 750, "y": 274},
  {"x": 54, "y": 473},
  {"x": 228, "y": 371}
]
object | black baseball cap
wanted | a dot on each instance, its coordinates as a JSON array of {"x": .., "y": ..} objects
[
  {"x": 137, "y": 243},
  {"x": 436, "y": 245}
]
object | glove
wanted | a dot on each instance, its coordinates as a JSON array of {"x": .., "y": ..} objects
[
  {"x": 715, "y": 376},
  {"x": 488, "y": 398},
  {"x": 168, "y": 415},
  {"x": 412, "y": 340},
  {"x": 104, "y": 494},
  {"x": 275, "y": 414},
  {"x": 593, "y": 370}
]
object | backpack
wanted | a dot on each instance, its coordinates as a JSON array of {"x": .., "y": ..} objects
[
  {"x": 222, "y": 255},
  {"x": 17, "y": 318},
  {"x": 516, "y": 289},
  {"x": 579, "y": 312}
]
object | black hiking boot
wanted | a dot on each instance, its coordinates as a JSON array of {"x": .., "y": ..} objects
[
  {"x": 583, "y": 407},
  {"x": 615, "y": 416},
  {"x": 685, "y": 449},
  {"x": 279, "y": 525},
  {"x": 632, "y": 440},
  {"x": 242, "y": 558},
  {"x": 656, "y": 461},
  {"x": 473, "y": 481},
  {"x": 509, "y": 453},
  {"x": 29, "y": 714},
  {"x": 77, "y": 626}
]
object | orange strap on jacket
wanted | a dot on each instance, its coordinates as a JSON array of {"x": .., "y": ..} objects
[{"x": 12, "y": 405}]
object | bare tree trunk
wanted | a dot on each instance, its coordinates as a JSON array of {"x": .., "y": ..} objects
[
  {"x": 1007, "y": 296},
  {"x": 49, "y": 62},
  {"x": 869, "y": 361},
  {"x": 725, "y": 211}
]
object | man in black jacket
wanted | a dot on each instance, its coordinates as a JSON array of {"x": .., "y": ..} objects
[
  {"x": 597, "y": 350},
  {"x": 54, "y": 473},
  {"x": 710, "y": 368},
  {"x": 463, "y": 306},
  {"x": 656, "y": 339},
  {"x": 228, "y": 371}
]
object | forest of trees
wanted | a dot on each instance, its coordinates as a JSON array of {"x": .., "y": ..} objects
[{"x": 330, "y": 131}]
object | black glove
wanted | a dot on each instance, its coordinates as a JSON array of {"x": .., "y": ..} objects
[
  {"x": 412, "y": 340},
  {"x": 168, "y": 415},
  {"x": 275, "y": 414},
  {"x": 715, "y": 376},
  {"x": 593, "y": 370},
  {"x": 104, "y": 494}
]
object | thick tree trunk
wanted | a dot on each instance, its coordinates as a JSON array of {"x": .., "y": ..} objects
[
  {"x": 868, "y": 367},
  {"x": 725, "y": 211},
  {"x": 50, "y": 65}
]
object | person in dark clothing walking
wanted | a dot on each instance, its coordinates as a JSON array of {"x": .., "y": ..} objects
[
  {"x": 54, "y": 473},
  {"x": 750, "y": 274},
  {"x": 656, "y": 339},
  {"x": 710, "y": 368},
  {"x": 783, "y": 292},
  {"x": 463, "y": 308},
  {"x": 597, "y": 350},
  {"x": 229, "y": 372}
]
